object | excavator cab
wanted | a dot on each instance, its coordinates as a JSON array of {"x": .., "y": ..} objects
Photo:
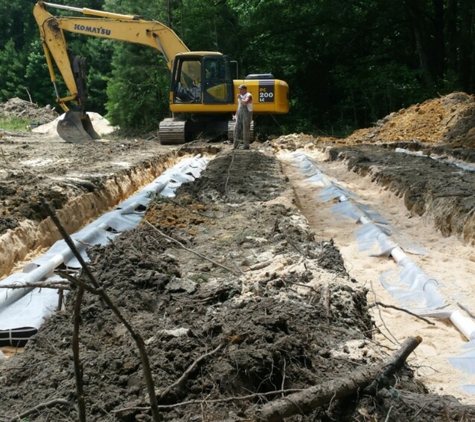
[
  {"x": 201, "y": 78},
  {"x": 201, "y": 97}
]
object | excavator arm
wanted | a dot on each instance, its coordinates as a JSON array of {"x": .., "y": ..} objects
[{"x": 76, "y": 126}]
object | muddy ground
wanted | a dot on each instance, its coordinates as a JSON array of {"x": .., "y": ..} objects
[{"x": 252, "y": 305}]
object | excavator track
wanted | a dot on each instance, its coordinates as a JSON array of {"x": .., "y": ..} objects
[{"x": 172, "y": 131}]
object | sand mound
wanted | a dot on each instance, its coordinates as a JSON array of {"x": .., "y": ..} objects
[{"x": 101, "y": 125}]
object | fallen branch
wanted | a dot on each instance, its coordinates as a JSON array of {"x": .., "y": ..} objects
[
  {"x": 395, "y": 364},
  {"x": 311, "y": 398},
  {"x": 186, "y": 249},
  {"x": 402, "y": 310},
  {"x": 61, "y": 285},
  {"x": 98, "y": 289},
  {"x": 307, "y": 400},
  {"x": 78, "y": 367},
  {"x": 180, "y": 381},
  {"x": 212, "y": 401},
  {"x": 47, "y": 405}
]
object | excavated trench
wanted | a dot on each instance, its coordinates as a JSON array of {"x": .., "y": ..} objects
[
  {"x": 435, "y": 188},
  {"x": 429, "y": 273},
  {"x": 268, "y": 264},
  {"x": 31, "y": 237}
]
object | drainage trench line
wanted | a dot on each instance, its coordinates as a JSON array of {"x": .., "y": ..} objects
[
  {"x": 16, "y": 244},
  {"x": 22, "y": 310},
  {"x": 410, "y": 275}
]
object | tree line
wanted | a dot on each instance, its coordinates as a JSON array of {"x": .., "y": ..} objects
[{"x": 348, "y": 62}]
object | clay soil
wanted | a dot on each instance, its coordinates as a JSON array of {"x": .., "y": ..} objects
[{"x": 251, "y": 305}]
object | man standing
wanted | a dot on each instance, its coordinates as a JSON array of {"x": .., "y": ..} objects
[{"x": 242, "y": 130}]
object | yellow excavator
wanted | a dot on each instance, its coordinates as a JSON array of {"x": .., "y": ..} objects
[{"x": 202, "y": 85}]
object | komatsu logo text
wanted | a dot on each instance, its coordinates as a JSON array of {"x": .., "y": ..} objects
[{"x": 92, "y": 29}]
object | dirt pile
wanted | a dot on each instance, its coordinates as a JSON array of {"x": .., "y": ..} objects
[
  {"x": 101, "y": 125},
  {"x": 16, "y": 107},
  {"x": 449, "y": 119}
]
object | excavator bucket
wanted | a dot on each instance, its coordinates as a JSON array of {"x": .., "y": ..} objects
[{"x": 76, "y": 127}]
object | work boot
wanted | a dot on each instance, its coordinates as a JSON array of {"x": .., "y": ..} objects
[{"x": 245, "y": 146}]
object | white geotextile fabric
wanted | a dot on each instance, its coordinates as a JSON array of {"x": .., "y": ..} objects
[
  {"x": 408, "y": 283},
  {"x": 414, "y": 288},
  {"x": 28, "y": 307}
]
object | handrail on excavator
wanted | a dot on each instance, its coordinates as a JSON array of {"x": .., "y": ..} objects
[{"x": 92, "y": 12}]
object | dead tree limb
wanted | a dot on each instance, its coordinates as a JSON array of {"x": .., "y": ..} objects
[
  {"x": 105, "y": 297},
  {"x": 402, "y": 310},
  {"x": 47, "y": 405},
  {"x": 395, "y": 364},
  {"x": 187, "y": 249},
  {"x": 316, "y": 396},
  {"x": 78, "y": 367},
  {"x": 211, "y": 401}
]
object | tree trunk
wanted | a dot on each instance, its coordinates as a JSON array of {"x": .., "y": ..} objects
[{"x": 416, "y": 18}]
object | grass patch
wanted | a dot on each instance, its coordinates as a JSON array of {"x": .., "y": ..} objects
[
  {"x": 199, "y": 278},
  {"x": 14, "y": 124}
]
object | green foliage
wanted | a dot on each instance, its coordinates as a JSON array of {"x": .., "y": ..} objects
[
  {"x": 138, "y": 85},
  {"x": 37, "y": 79},
  {"x": 12, "y": 81},
  {"x": 370, "y": 92},
  {"x": 14, "y": 124},
  {"x": 206, "y": 25},
  {"x": 138, "y": 88},
  {"x": 347, "y": 63}
]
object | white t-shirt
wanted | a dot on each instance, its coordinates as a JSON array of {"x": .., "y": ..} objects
[{"x": 244, "y": 97}]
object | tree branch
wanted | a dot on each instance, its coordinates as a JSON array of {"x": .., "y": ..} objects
[
  {"x": 402, "y": 310},
  {"x": 186, "y": 249},
  {"x": 47, "y": 405},
  {"x": 105, "y": 297},
  {"x": 314, "y": 397}
]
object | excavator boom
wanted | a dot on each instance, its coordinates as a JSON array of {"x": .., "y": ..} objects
[{"x": 114, "y": 26}]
